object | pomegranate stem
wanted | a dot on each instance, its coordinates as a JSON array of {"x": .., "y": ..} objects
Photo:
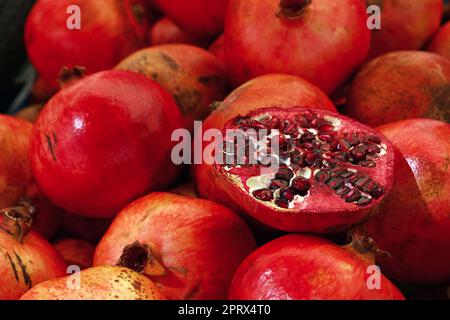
[
  {"x": 16, "y": 221},
  {"x": 139, "y": 258},
  {"x": 292, "y": 9}
]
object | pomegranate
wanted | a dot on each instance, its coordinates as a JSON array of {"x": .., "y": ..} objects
[
  {"x": 441, "y": 42},
  {"x": 186, "y": 189},
  {"x": 84, "y": 228},
  {"x": 192, "y": 246},
  {"x": 164, "y": 31},
  {"x": 405, "y": 25},
  {"x": 30, "y": 113},
  {"x": 201, "y": 19},
  {"x": 100, "y": 283},
  {"x": 109, "y": 31},
  {"x": 300, "y": 267},
  {"x": 331, "y": 171},
  {"x": 27, "y": 258},
  {"x": 42, "y": 90},
  {"x": 413, "y": 223},
  {"x": 192, "y": 75},
  {"x": 15, "y": 171},
  {"x": 401, "y": 85},
  {"x": 106, "y": 146},
  {"x": 287, "y": 40},
  {"x": 217, "y": 48},
  {"x": 76, "y": 252}
]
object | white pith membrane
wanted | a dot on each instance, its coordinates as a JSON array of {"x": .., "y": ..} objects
[{"x": 338, "y": 158}]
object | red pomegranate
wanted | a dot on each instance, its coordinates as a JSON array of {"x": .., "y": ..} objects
[
  {"x": 331, "y": 169},
  {"x": 413, "y": 223},
  {"x": 30, "y": 113},
  {"x": 27, "y": 258},
  {"x": 164, "y": 31},
  {"x": 193, "y": 76},
  {"x": 15, "y": 170},
  {"x": 193, "y": 246},
  {"x": 201, "y": 19},
  {"x": 299, "y": 267},
  {"x": 100, "y": 283},
  {"x": 401, "y": 85},
  {"x": 441, "y": 42},
  {"x": 405, "y": 24},
  {"x": 217, "y": 48},
  {"x": 76, "y": 252},
  {"x": 109, "y": 31},
  {"x": 84, "y": 228},
  {"x": 286, "y": 39},
  {"x": 107, "y": 139}
]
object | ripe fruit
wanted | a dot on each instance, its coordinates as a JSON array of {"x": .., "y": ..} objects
[
  {"x": 441, "y": 42},
  {"x": 110, "y": 30},
  {"x": 193, "y": 246},
  {"x": 286, "y": 39},
  {"x": 201, "y": 19},
  {"x": 405, "y": 25},
  {"x": 27, "y": 258},
  {"x": 217, "y": 48},
  {"x": 164, "y": 31},
  {"x": 107, "y": 137},
  {"x": 401, "y": 85},
  {"x": 15, "y": 171},
  {"x": 298, "y": 267},
  {"x": 76, "y": 252},
  {"x": 193, "y": 76},
  {"x": 413, "y": 223},
  {"x": 100, "y": 283},
  {"x": 331, "y": 169},
  {"x": 30, "y": 113},
  {"x": 84, "y": 228}
]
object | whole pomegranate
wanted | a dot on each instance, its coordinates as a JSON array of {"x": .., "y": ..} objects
[
  {"x": 441, "y": 42},
  {"x": 76, "y": 252},
  {"x": 109, "y": 30},
  {"x": 107, "y": 139},
  {"x": 413, "y": 223},
  {"x": 27, "y": 258},
  {"x": 100, "y": 283},
  {"x": 84, "y": 228},
  {"x": 201, "y": 19},
  {"x": 191, "y": 246},
  {"x": 405, "y": 24},
  {"x": 330, "y": 170},
  {"x": 287, "y": 39},
  {"x": 401, "y": 85},
  {"x": 165, "y": 31},
  {"x": 300, "y": 267},
  {"x": 193, "y": 76}
]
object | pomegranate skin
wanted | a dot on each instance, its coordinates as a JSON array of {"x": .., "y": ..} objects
[
  {"x": 199, "y": 243},
  {"x": 441, "y": 42},
  {"x": 201, "y": 19},
  {"x": 293, "y": 45},
  {"x": 165, "y": 31},
  {"x": 114, "y": 127},
  {"x": 217, "y": 48},
  {"x": 401, "y": 85},
  {"x": 25, "y": 265},
  {"x": 15, "y": 170},
  {"x": 100, "y": 283},
  {"x": 300, "y": 267},
  {"x": 405, "y": 25},
  {"x": 76, "y": 252},
  {"x": 110, "y": 30},
  {"x": 413, "y": 223}
]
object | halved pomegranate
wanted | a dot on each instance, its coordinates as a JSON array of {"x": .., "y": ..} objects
[{"x": 332, "y": 170}]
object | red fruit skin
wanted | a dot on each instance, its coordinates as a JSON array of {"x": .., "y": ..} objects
[
  {"x": 35, "y": 259},
  {"x": 42, "y": 90},
  {"x": 109, "y": 32},
  {"x": 441, "y": 42},
  {"x": 100, "y": 283},
  {"x": 413, "y": 223},
  {"x": 193, "y": 76},
  {"x": 84, "y": 228},
  {"x": 217, "y": 48},
  {"x": 201, "y": 19},
  {"x": 405, "y": 25},
  {"x": 299, "y": 267},
  {"x": 164, "y": 31},
  {"x": 76, "y": 252},
  {"x": 30, "y": 113},
  {"x": 279, "y": 45},
  {"x": 200, "y": 243},
  {"x": 107, "y": 138},
  {"x": 401, "y": 85},
  {"x": 15, "y": 170}
]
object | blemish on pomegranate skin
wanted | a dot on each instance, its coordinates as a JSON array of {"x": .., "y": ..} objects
[
  {"x": 171, "y": 63},
  {"x": 26, "y": 276},
  {"x": 13, "y": 267},
  {"x": 50, "y": 146}
]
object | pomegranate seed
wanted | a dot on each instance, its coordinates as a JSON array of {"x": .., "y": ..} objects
[
  {"x": 282, "y": 203},
  {"x": 353, "y": 195},
  {"x": 287, "y": 193},
  {"x": 326, "y": 128},
  {"x": 277, "y": 184},
  {"x": 363, "y": 201},
  {"x": 301, "y": 185},
  {"x": 323, "y": 176},
  {"x": 284, "y": 174},
  {"x": 263, "y": 194}
]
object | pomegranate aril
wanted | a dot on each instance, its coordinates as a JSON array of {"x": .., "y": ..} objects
[
  {"x": 323, "y": 176},
  {"x": 301, "y": 185},
  {"x": 377, "y": 191},
  {"x": 278, "y": 184},
  {"x": 363, "y": 201},
  {"x": 284, "y": 174},
  {"x": 368, "y": 164},
  {"x": 325, "y": 137},
  {"x": 342, "y": 191},
  {"x": 263, "y": 194},
  {"x": 346, "y": 174},
  {"x": 373, "y": 138},
  {"x": 327, "y": 128},
  {"x": 373, "y": 149},
  {"x": 282, "y": 203},
  {"x": 335, "y": 183},
  {"x": 358, "y": 154},
  {"x": 353, "y": 195},
  {"x": 344, "y": 145},
  {"x": 308, "y": 137},
  {"x": 362, "y": 181},
  {"x": 287, "y": 193}
]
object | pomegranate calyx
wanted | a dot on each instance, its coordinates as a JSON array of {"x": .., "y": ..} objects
[
  {"x": 292, "y": 9},
  {"x": 16, "y": 221},
  {"x": 139, "y": 257},
  {"x": 364, "y": 246},
  {"x": 68, "y": 76}
]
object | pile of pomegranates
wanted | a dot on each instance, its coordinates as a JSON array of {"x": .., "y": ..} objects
[{"x": 229, "y": 150}]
